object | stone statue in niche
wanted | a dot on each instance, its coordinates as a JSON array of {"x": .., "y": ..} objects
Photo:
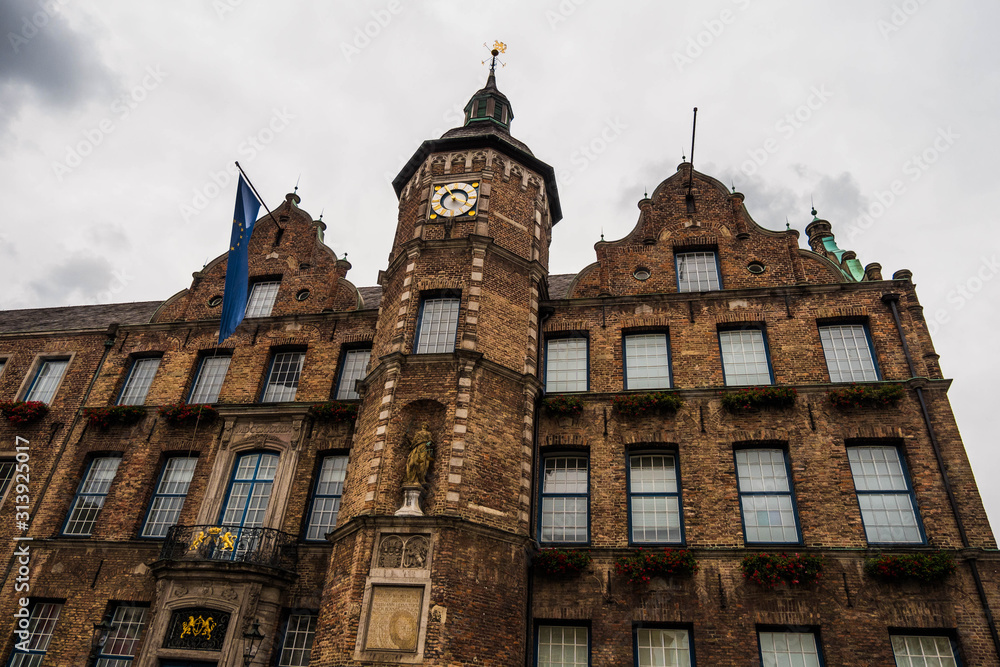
[{"x": 418, "y": 463}]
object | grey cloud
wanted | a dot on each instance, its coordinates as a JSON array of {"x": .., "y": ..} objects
[{"x": 80, "y": 278}]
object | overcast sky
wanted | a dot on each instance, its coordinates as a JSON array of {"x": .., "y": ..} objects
[{"x": 119, "y": 121}]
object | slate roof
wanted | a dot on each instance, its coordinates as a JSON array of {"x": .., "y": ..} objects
[
  {"x": 71, "y": 318},
  {"x": 559, "y": 285},
  {"x": 372, "y": 296}
]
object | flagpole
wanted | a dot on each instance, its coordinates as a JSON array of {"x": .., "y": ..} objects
[{"x": 257, "y": 195}]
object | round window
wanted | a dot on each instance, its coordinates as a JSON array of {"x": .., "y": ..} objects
[
  {"x": 642, "y": 273},
  {"x": 302, "y": 295},
  {"x": 755, "y": 267},
  {"x": 215, "y": 301}
]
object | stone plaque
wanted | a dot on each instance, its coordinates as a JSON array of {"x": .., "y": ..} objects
[{"x": 394, "y": 618}]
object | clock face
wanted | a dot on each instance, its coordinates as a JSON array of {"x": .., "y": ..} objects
[{"x": 454, "y": 199}]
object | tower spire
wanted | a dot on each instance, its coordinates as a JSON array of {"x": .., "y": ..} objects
[{"x": 489, "y": 104}]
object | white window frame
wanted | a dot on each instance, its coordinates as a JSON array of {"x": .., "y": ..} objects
[
  {"x": 41, "y": 626},
  {"x": 90, "y": 496},
  {"x": 848, "y": 351},
  {"x": 647, "y": 360},
  {"x": 169, "y": 497},
  {"x": 122, "y": 642},
  {"x": 209, "y": 379},
  {"x": 437, "y": 326},
  {"x": 7, "y": 468},
  {"x": 139, "y": 380},
  {"x": 567, "y": 364},
  {"x": 297, "y": 642},
  {"x": 263, "y": 295},
  {"x": 659, "y": 489},
  {"x": 324, "y": 504},
  {"x": 282, "y": 364},
  {"x": 892, "y": 492},
  {"x": 763, "y": 495},
  {"x": 51, "y": 382},
  {"x": 653, "y": 645},
  {"x": 695, "y": 274},
  {"x": 746, "y": 360},
  {"x": 353, "y": 367},
  {"x": 562, "y": 491},
  {"x": 578, "y": 637},
  {"x": 800, "y": 649},
  {"x": 906, "y": 646}
]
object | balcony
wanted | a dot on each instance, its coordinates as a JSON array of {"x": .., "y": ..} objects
[{"x": 221, "y": 543}]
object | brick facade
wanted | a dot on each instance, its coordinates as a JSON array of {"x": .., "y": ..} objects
[{"x": 459, "y": 584}]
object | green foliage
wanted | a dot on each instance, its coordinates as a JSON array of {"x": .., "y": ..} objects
[
  {"x": 640, "y": 565},
  {"x": 921, "y": 567},
  {"x": 867, "y": 395},
  {"x": 561, "y": 562},
  {"x": 182, "y": 414},
  {"x": 771, "y": 569},
  {"x": 334, "y": 411},
  {"x": 563, "y": 406},
  {"x": 641, "y": 405},
  {"x": 20, "y": 413},
  {"x": 114, "y": 415},
  {"x": 758, "y": 397}
]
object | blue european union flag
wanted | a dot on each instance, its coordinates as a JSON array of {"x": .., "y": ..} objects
[{"x": 234, "y": 298}]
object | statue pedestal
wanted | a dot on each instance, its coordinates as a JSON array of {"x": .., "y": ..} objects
[{"x": 411, "y": 501}]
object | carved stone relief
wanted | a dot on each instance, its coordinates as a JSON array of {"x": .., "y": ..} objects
[{"x": 403, "y": 551}]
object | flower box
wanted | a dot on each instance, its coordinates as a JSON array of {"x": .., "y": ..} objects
[
  {"x": 927, "y": 568},
  {"x": 769, "y": 570},
  {"x": 182, "y": 414},
  {"x": 114, "y": 415},
  {"x": 563, "y": 406},
  {"x": 334, "y": 411},
  {"x": 20, "y": 413},
  {"x": 638, "y": 567},
  {"x": 561, "y": 562},
  {"x": 867, "y": 395},
  {"x": 758, "y": 397},
  {"x": 632, "y": 406}
]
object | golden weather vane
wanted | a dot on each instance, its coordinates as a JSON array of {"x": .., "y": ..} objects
[{"x": 498, "y": 48}]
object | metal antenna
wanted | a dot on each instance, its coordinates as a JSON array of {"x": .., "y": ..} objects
[
  {"x": 298, "y": 178},
  {"x": 694, "y": 126}
]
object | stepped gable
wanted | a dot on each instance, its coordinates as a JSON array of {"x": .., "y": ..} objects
[
  {"x": 695, "y": 212},
  {"x": 288, "y": 247}
]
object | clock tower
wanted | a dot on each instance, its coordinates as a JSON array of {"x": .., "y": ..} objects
[{"x": 431, "y": 553}]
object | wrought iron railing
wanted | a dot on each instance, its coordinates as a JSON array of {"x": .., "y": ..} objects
[{"x": 228, "y": 543}]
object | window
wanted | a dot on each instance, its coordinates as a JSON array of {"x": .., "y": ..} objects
[
  {"x": 744, "y": 357},
  {"x": 563, "y": 646},
  {"x": 208, "y": 381},
  {"x": 326, "y": 497},
  {"x": 46, "y": 381},
  {"x": 90, "y": 496},
  {"x": 788, "y": 649},
  {"x": 924, "y": 650},
  {"x": 437, "y": 326},
  {"x": 41, "y": 625},
  {"x": 654, "y": 503},
  {"x": 353, "y": 366},
  {"x": 262, "y": 296},
  {"x": 766, "y": 496},
  {"x": 296, "y": 647},
  {"x": 848, "y": 353},
  {"x": 283, "y": 378},
  {"x": 566, "y": 365},
  {"x": 659, "y": 647},
  {"x": 6, "y": 474},
  {"x": 888, "y": 508},
  {"x": 139, "y": 379},
  {"x": 647, "y": 361},
  {"x": 168, "y": 500},
  {"x": 697, "y": 272},
  {"x": 123, "y": 640},
  {"x": 564, "y": 500},
  {"x": 250, "y": 490}
]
